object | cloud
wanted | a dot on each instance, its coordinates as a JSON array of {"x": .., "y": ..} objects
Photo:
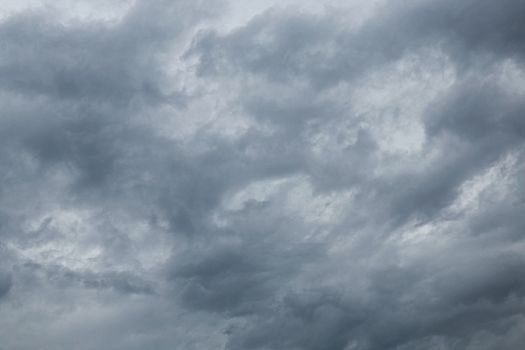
[
  {"x": 5, "y": 283},
  {"x": 175, "y": 177}
]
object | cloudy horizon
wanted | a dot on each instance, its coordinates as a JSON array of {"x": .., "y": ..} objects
[{"x": 262, "y": 175}]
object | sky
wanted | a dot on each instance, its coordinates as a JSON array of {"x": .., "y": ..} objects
[{"x": 262, "y": 175}]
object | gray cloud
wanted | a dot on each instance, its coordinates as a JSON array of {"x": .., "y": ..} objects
[
  {"x": 5, "y": 283},
  {"x": 305, "y": 179}
]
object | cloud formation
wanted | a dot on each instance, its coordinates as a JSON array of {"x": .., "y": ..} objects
[{"x": 346, "y": 176}]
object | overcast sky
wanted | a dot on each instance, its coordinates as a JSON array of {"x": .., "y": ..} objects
[{"x": 262, "y": 175}]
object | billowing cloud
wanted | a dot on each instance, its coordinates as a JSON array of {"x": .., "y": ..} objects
[{"x": 344, "y": 176}]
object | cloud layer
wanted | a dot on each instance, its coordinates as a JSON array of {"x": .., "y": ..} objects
[{"x": 346, "y": 176}]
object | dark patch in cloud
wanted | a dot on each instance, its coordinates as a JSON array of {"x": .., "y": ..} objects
[{"x": 6, "y": 283}]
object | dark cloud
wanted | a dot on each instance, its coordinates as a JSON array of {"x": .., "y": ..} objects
[
  {"x": 305, "y": 179},
  {"x": 5, "y": 283}
]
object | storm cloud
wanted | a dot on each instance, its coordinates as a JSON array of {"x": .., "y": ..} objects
[{"x": 262, "y": 175}]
